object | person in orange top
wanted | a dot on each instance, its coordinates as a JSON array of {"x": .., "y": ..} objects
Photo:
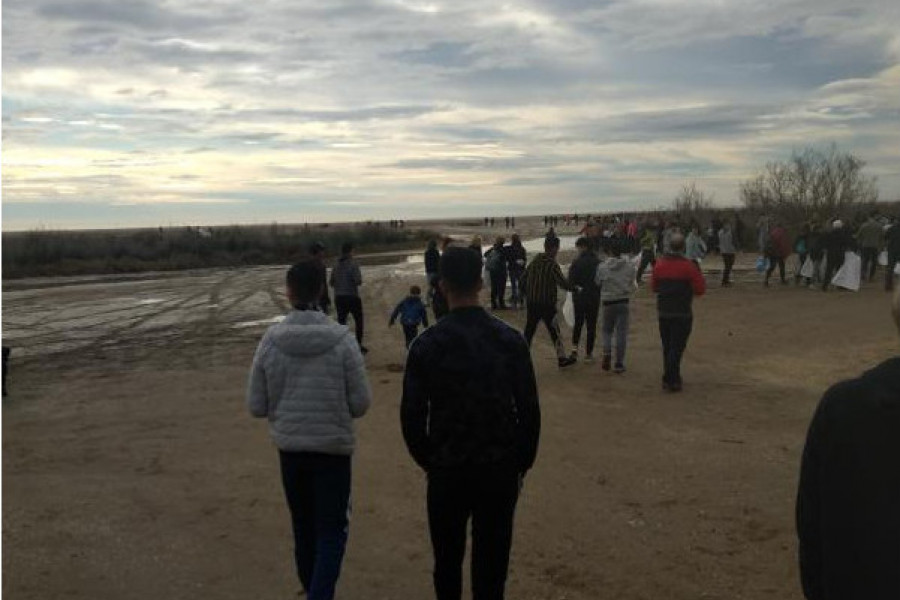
[
  {"x": 778, "y": 248},
  {"x": 675, "y": 280}
]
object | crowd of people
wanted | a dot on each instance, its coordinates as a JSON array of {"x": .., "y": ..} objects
[{"x": 470, "y": 413}]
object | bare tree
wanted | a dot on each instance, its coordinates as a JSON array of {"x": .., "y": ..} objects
[
  {"x": 811, "y": 185},
  {"x": 692, "y": 204}
]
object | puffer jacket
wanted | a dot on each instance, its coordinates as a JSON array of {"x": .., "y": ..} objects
[
  {"x": 615, "y": 277},
  {"x": 309, "y": 379}
]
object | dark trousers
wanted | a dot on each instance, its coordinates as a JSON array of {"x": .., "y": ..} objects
[
  {"x": 773, "y": 261},
  {"x": 546, "y": 313},
  {"x": 674, "y": 332},
  {"x": 869, "y": 262},
  {"x": 350, "y": 305},
  {"x": 587, "y": 309},
  {"x": 498, "y": 289},
  {"x": 647, "y": 258},
  {"x": 488, "y": 496},
  {"x": 728, "y": 259},
  {"x": 833, "y": 263},
  {"x": 317, "y": 488},
  {"x": 410, "y": 332},
  {"x": 893, "y": 259}
]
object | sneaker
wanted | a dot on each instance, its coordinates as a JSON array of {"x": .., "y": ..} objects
[
  {"x": 606, "y": 363},
  {"x": 588, "y": 359},
  {"x": 619, "y": 368},
  {"x": 567, "y": 362},
  {"x": 675, "y": 387},
  {"x": 363, "y": 349}
]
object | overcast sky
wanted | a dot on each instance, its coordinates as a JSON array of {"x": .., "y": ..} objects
[{"x": 129, "y": 112}]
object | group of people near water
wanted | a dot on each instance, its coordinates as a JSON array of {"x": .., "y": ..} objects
[{"x": 470, "y": 412}]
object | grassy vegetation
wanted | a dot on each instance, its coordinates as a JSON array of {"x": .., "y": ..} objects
[{"x": 55, "y": 253}]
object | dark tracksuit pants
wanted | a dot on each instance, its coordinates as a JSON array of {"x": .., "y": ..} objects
[
  {"x": 728, "y": 259},
  {"x": 317, "y": 488},
  {"x": 410, "y": 332},
  {"x": 350, "y": 305},
  {"x": 773, "y": 262},
  {"x": 893, "y": 259},
  {"x": 674, "y": 332},
  {"x": 547, "y": 313},
  {"x": 487, "y": 495},
  {"x": 498, "y": 289},
  {"x": 647, "y": 258},
  {"x": 869, "y": 263},
  {"x": 587, "y": 309},
  {"x": 833, "y": 263}
]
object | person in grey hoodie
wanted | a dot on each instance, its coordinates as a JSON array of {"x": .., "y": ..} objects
[
  {"x": 616, "y": 278},
  {"x": 309, "y": 380},
  {"x": 346, "y": 279}
]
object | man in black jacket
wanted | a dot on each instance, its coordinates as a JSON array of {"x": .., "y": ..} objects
[
  {"x": 585, "y": 297},
  {"x": 848, "y": 502},
  {"x": 471, "y": 420}
]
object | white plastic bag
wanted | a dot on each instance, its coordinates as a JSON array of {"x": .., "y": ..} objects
[
  {"x": 882, "y": 258},
  {"x": 848, "y": 275},
  {"x": 568, "y": 310},
  {"x": 486, "y": 276},
  {"x": 808, "y": 270},
  {"x": 897, "y": 269}
]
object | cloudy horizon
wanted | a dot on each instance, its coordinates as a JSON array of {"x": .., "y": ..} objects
[{"x": 141, "y": 113}]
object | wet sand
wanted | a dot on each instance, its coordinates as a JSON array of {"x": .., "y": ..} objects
[{"x": 131, "y": 469}]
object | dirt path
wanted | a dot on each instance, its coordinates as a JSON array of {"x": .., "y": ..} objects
[{"x": 132, "y": 470}]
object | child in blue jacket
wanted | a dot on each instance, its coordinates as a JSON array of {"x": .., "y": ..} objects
[{"x": 411, "y": 311}]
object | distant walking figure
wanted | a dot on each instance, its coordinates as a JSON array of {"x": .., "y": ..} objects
[
  {"x": 676, "y": 280},
  {"x": 309, "y": 379},
  {"x": 346, "y": 279},
  {"x": 848, "y": 501},
  {"x": 471, "y": 419},
  {"x": 541, "y": 278}
]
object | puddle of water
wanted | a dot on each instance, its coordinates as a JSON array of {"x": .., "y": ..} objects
[
  {"x": 270, "y": 321},
  {"x": 151, "y": 301}
]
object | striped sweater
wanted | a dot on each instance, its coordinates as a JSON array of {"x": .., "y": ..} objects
[{"x": 542, "y": 277}]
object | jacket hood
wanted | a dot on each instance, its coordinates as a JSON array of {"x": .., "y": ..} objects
[
  {"x": 616, "y": 263},
  {"x": 307, "y": 333}
]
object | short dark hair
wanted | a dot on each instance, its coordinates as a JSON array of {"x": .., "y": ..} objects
[
  {"x": 304, "y": 280},
  {"x": 316, "y": 247},
  {"x": 551, "y": 243},
  {"x": 346, "y": 247},
  {"x": 460, "y": 269},
  {"x": 415, "y": 290},
  {"x": 616, "y": 247},
  {"x": 582, "y": 242}
]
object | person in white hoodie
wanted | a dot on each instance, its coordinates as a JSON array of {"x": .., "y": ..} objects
[
  {"x": 309, "y": 379},
  {"x": 616, "y": 278}
]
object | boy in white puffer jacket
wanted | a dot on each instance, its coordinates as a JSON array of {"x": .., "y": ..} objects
[{"x": 309, "y": 380}]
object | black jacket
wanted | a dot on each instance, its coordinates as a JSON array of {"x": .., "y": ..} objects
[
  {"x": 583, "y": 273},
  {"x": 432, "y": 260},
  {"x": 469, "y": 395},
  {"x": 848, "y": 503}
]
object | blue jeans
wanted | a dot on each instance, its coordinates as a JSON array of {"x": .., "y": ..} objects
[
  {"x": 615, "y": 319},
  {"x": 317, "y": 488}
]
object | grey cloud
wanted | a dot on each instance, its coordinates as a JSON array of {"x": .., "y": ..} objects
[
  {"x": 441, "y": 54},
  {"x": 137, "y": 13}
]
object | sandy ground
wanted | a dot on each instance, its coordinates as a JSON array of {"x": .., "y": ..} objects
[{"x": 132, "y": 470}]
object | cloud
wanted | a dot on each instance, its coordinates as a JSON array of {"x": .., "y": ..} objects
[{"x": 418, "y": 106}]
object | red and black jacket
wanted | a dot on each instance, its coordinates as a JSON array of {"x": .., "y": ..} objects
[{"x": 676, "y": 280}]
